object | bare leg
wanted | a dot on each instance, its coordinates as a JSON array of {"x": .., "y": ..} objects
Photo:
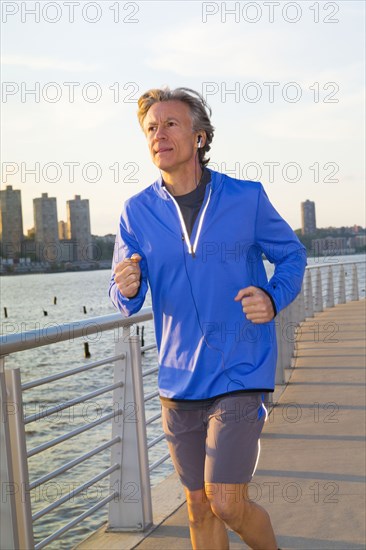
[
  {"x": 207, "y": 531},
  {"x": 249, "y": 520}
]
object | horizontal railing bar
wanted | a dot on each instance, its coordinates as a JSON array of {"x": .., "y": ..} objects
[
  {"x": 148, "y": 347},
  {"x": 11, "y": 343},
  {"x": 71, "y": 372},
  {"x": 71, "y": 434},
  {"x": 151, "y": 395},
  {"x": 74, "y": 462},
  {"x": 158, "y": 462},
  {"x": 75, "y": 492},
  {"x": 155, "y": 441},
  {"x": 75, "y": 521},
  {"x": 71, "y": 402},
  {"x": 153, "y": 418},
  {"x": 334, "y": 264},
  {"x": 150, "y": 371}
]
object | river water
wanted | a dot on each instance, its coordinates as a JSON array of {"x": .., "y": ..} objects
[{"x": 26, "y": 297}]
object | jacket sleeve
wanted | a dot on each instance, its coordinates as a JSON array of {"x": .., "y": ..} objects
[
  {"x": 126, "y": 245},
  {"x": 281, "y": 247}
]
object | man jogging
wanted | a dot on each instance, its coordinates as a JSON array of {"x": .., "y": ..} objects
[{"x": 197, "y": 238}]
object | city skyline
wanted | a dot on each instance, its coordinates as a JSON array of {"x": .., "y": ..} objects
[
  {"x": 63, "y": 229},
  {"x": 60, "y": 219},
  {"x": 286, "y": 115},
  {"x": 111, "y": 227},
  {"x": 53, "y": 239}
]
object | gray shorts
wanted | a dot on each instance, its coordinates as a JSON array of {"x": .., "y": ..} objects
[{"x": 218, "y": 443}]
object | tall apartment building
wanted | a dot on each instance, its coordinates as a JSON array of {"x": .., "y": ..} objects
[
  {"x": 308, "y": 222},
  {"x": 78, "y": 228},
  {"x": 46, "y": 228},
  {"x": 11, "y": 221}
]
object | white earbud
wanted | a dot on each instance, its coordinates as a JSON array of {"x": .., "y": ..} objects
[{"x": 199, "y": 142}]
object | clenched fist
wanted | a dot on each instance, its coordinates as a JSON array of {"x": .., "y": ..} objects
[
  {"x": 256, "y": 304},
  {"x": 127, "y": 276}
]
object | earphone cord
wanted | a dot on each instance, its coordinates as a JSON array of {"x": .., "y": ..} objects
[{"x": 237, "y": 382}]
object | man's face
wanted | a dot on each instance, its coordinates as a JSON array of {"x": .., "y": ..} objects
[{"x": 171, "y": 140}]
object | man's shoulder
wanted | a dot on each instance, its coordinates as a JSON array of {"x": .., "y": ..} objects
[
  {"x": 238, "y": 183},
  {"x": 143, "y": 196}
]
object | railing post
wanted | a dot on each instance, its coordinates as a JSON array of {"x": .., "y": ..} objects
[
  {"x": 297, "y": 313},
  {"x": 300, "y": 306},
  {"x": 291, "y": 323},
  {"x": 133, "y": 510},
  {"x": 295, "y": 316},
  {"x": 354, "y": 288},
  {"x": 280, "y": 368},
  {"x": 8, "y": 531},
  {"x": 285, "y": 335},
  {"x": 318, "y": 302},
  {"x": 116, "y": 514},
  {"x": 342, "y": 286},
  {"x": 138, "y": 387},
  {"x": 292, "y": 310},
  {"x": 309, "y": 307},
  {"x": 19, "y": 463},
  {"x": 329, "y": 302}
]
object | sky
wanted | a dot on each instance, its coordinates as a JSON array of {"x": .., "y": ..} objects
[{"x": 285, "y": 81}]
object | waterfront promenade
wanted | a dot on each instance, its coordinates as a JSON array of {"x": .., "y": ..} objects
[{"x": 311, "y": 471}]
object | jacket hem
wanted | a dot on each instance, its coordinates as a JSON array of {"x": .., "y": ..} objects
[{"x": 207, "y": 399}]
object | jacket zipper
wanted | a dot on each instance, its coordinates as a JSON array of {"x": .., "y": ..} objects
[{"x": 191, "y": 248}]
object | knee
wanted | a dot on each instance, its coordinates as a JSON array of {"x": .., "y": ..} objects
[
  {"x": 199, "y": 509},
  {"x": 231, "y": 512},
  {"x": 228, "y": 513}
]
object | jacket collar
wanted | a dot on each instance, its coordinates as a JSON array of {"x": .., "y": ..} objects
[{"x": 215, "y": 183}]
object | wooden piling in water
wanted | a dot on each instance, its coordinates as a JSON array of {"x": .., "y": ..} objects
[{"x": 87, "y": 353}]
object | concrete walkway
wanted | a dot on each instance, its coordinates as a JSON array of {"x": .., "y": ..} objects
[{"x": 311, "y": 471}]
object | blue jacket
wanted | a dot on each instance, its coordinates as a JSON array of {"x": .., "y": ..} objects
[{"x": 206, "y": 345}]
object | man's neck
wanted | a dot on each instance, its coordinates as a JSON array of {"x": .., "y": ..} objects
[{"x": 183, "y": 181}]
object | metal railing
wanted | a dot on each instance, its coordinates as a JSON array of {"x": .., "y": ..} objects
[
  {"x": 129, "y": 470},
  {"x": 324, "y": 286}
]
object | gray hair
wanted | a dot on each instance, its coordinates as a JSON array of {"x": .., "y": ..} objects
[{"x": 200, "y": 112}]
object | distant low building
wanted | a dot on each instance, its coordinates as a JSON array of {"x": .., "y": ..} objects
[
  {"x": 62, "y": 230},
  {"x": 331, "y": 246},
  {"x": 66, "y": 250},
  {"x": 360, "y": 240},
  {"x": 110, "y": 238}
]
